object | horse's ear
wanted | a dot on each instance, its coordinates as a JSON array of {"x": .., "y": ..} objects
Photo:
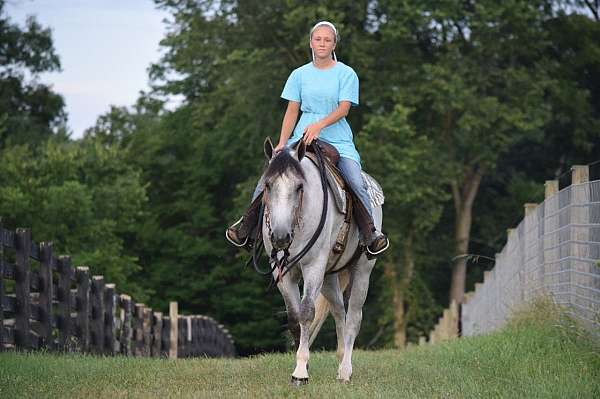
[
  {"x": 268, "y": 148},
  {"x": 300, "y": 149}
]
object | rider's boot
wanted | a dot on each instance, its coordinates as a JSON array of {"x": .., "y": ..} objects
[
  {"x": 375, "y": 241},
  {"x": 240, "y": 233}
]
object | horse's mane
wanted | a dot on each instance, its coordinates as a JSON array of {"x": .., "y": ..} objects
[{"x": 282, "y": 163}]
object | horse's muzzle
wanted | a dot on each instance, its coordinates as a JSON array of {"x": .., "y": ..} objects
[{"x": 281, "y": 241}]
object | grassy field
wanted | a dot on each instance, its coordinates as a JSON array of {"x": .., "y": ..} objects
[{"x": 533, "y": 358}]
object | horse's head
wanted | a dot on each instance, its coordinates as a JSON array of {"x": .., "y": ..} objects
[{"x": 284, "y": 188}]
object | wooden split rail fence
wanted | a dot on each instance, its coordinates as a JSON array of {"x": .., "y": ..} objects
[{"x": 45, "y": 303}]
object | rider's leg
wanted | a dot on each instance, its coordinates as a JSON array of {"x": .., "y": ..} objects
[
  {"x": 260, "y": 186},
  {"x": 375, "y": 240},
  {"x": 240, "y": 233}
]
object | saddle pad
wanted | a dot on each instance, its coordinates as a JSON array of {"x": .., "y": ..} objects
[{"x": 374, "y": 189}]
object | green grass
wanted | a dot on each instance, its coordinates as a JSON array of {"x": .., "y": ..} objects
[{"x": 535, "y": 357}]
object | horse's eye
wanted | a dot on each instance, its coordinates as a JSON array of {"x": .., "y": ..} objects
[
  {"x": 300, "y": 188},
  {"x": 267, "y": 186}
]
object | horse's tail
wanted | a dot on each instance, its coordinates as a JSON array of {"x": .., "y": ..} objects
[{"x": 322, "y": 306}]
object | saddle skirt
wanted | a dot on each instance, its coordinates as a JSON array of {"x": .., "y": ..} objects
[{"x": 337, "y": 184}]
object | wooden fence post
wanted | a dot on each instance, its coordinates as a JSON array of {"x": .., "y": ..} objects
[
  {"x": 446, "y": 325},
  {"x": 197, "y": 335},
  {"x": 147, "y": 328},
  {"x": 530, "y": 222},
  {"x": 165, "y": 337},
  {"x": 205, "y": 329},
  {"x": 63, "y": 295},
  {"x": 580, "y": 246},
  {"x": 194, "y": 330},
  {"x": 549, "y": 225},
  {"x": 45, "y": 302},
  {"x": 83, "y": 307},
  {"x": 188, "y": 335},
  {"x": 97, "y": 314},
  {"x": 580, "y": 174},
  {"x": 126, "y": 321},
  {"x": 191, "y": 335},
  {"x": 156, "y": 334},
  {"x": 173, "y": 317},
  {"x": 550, "y": 188},
  {"x": 109, "y": 319},
  {"x": 22, "y": 278},
  {"x": 138, "y": 330},
  {"x": 182, "y": 338},
  {"x": 454, "y": 320}
]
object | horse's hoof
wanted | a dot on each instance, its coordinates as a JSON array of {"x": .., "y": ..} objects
[
  {"x": 296, "y": 382},
  {"x": 342, "y": 381}
]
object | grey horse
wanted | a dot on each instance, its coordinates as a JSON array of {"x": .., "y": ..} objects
[{"x": 293, "y": 204}]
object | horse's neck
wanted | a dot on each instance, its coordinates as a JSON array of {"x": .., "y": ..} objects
[{"x": 313, "y": 192}]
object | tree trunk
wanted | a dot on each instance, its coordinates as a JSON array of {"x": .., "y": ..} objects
[
  {"x": 399, "y": 321},
  {"x": 461, "y": 247},
  {"x": 400, "y": 278},
  {"x": 463, "y": 205}
]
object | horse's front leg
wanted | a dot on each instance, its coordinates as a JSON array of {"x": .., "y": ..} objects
[
  {"x": 288, "y": 286},
  {"x": 313, "y": 280}
]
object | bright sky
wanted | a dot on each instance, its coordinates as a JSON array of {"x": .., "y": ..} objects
[{"x": 105, "y": 48}]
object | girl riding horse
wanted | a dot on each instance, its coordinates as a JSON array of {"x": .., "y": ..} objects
[{"x": 324, "y": 90}]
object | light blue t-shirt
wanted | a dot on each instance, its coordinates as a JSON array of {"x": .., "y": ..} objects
[{"x": 319, "y": 92}]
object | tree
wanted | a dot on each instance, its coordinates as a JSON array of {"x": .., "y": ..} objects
[
  {"x": 84, "y": 198},
  {"x": 480, "y": 89},
  {"x": 405, "y": 163},
  {"x": 29, "y": 110}
]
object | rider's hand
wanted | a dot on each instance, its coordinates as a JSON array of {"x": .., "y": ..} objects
[
  {"x": 278, "y": 148},
  {"x": 312, "y": 132}
]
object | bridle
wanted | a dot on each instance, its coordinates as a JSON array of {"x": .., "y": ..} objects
[
  {"x": 280, "y": 262},
  {"x": 296, "y": 219},
  {"x": 284, "y": 263}
]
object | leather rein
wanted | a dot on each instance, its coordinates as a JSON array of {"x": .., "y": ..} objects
[{"x": 284, "y": 264}]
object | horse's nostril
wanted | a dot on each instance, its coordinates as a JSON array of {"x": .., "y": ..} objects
[{"x": 281, "y": 241}]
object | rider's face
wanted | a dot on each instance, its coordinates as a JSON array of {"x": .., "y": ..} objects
[{"x": 322, "y": 42}]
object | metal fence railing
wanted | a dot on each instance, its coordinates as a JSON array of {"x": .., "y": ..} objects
[{"x": 555, "y": 251}]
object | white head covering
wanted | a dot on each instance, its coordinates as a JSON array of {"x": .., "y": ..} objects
[{"x": 330, "y": 25}]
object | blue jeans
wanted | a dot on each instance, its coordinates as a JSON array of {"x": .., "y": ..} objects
[
  {"x": 351, "y": 172},
  {"x": 259, "y": 189}
]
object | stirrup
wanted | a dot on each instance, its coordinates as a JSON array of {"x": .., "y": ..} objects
[
  {"x": 231, "y": 240},
  {"x": 374, "y": 254}
]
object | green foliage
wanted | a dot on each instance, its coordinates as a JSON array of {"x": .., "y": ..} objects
[
  {"x": 408, "y": 169},
  {"x": 413, "y": 180},
  {"x": 83, "y": 197},
  {"x": 29, "y": 110},
  {"x": 477, "y": 90}
]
